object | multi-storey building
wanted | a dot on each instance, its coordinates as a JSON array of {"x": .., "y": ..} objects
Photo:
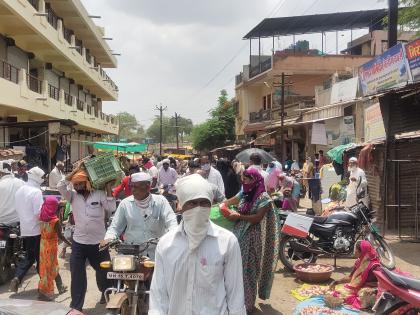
[{"x": 52, "y": 79}]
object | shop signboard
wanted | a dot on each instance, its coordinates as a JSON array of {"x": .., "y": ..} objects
[
  {"x": 384, "y": 72},
  {"x": 340, "y": 131},
  {"x": 374, "y": 124},
  {"x": 412, "y": 52},
  {"x": 344, "y": 91}
]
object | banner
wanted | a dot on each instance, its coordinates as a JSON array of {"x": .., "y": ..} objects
[
  {"x": 383, "y": 72},
  {"x": 412, "y": 52},
  {"x": 319, "y": 135},
  {"x": 374, "y": 124},
  {"x": 344, "y": 91},
  {"x": 340, "y": 131}
]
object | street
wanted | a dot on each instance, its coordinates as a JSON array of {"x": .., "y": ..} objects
[{"x": 280, "y": 302}]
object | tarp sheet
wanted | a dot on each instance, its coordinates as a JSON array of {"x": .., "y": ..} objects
[
  {"x": 336, "y": 154},
  {"x": 319, "y": 302},
  {"x": 121, "y": 147}
]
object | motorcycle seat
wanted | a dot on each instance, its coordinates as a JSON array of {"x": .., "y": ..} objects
[{"x": 402, "y": 281}]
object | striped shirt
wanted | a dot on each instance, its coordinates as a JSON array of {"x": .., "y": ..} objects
[{"x": 207, "y": 281}]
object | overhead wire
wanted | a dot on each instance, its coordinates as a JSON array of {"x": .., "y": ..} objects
[{"x": 24, "y": 140}]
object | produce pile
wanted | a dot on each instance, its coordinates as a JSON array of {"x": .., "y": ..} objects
[
  {"x": 314, "y": 268},
  {"x": 319, "y": 310},
  {"x": 313, "y": 290}
]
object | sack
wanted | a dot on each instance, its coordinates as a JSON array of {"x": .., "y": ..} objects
[{"x": 217, "y": 218}]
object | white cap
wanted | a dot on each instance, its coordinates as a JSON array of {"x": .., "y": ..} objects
[
  {"x": 141, "y": 177},
  {"x": 166, "y": 161},
  {"x": 36, "y": 174},
  {"x": 193, "y": 187},
  {"x": 353, "y": 160}
]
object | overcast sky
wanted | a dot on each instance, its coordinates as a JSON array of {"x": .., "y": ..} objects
[{"x": 181, "y": 53}]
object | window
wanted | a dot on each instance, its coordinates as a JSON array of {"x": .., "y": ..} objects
[
  {"x": 264, "y": 102},
  {"x": 269, "y": 105}
]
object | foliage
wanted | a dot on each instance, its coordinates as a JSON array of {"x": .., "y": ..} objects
[
  {"x": 218, "y": 129},
  {"x": 130, "y": 128},
  {"x": 168, "y": 129},
  {"x": 409, "y": 16}
]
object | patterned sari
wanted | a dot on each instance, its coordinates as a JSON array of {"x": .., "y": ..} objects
[{"x": 259, "y": 248}]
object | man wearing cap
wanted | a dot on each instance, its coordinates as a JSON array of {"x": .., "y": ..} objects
[
  {"x": 167, "y": 175},
  {"x": 154, "y": 173},
  {"x": 143, "y": 215},
  {"x": 89, "y": 208},
  {"x": 28, "y": 202},
  {"x": 22, "y": 167},
  {"x": 9, "y": 185},
  {"x": 198, "y": 264},
  {"x": 211, "y": 174},
  {"x": 56, "y": 175},
  {"x": 356, "y": 175}
]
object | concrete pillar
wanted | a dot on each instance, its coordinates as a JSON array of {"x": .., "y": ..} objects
[
  {"x": 24, "y": 90},
  {"x": 41, "y": 6},
  {"x": 60, "y": 33},
  {"x": 62, "y": 102}
]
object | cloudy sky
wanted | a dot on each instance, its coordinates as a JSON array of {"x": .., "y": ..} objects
[{"x": 181, "y": 53}]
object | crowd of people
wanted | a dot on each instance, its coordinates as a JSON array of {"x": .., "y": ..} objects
[{"x": 221, "y": 272}]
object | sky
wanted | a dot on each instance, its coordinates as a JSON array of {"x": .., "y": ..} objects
[{"x": 181, "y": 53}]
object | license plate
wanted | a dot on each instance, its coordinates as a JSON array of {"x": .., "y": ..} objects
[
  {"x": 125, "y": 276},
  {"x": 2, "y": 244}
]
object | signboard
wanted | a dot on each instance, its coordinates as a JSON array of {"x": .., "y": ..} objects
[
  {"x": 374, "y": 124},
  {"x": 319, "y": 135},
  {"x": 412, "y": 52},
  {"x": 340, "y": 131},
  {"x": 344, "y": 91},
  {"x": 383, "y": 72}
]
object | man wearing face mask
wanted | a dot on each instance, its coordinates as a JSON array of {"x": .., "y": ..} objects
[
  {"x": 167, "y": 175},
  {"x": 197, "y": 264},
  {"x": 28, "y": 202},
  {"x": 356, "y": 175},
  {"x": 143, "y": 215},
  {"x": 89, "y": 207},
  {"x": 211, "y": 174}
]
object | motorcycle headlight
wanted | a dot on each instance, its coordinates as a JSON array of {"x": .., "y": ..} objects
[{"x": 123, "y": 263}]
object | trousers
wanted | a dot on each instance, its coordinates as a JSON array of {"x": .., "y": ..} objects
[
  {"x": 79, "y": 254},
  {"x": 31, "y": 246}
]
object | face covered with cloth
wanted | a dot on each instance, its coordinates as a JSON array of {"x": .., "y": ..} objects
[
  {"x": 49, "y": 209},
  {"x": 194, "y": 195},
  {"x": 81, "y": 183}
]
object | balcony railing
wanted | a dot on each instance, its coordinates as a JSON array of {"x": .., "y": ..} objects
[
  {"x": 9, "y": 72},
  {"x": 260, "y": 68},
  {"x": 80, "y": 105},
  {"x": 89, "y": 109},
  {"x": 34, "y": 84},
  {"x": 262, "y": 115},
  {"x": 87, "y": 56},
  {"x": 67, "y": 34},
  {"x": 53, "y": 92},
  {"x": 239, "y": 78},
  {"x": 79, "y": 45},
  {"x": 68, "y": 99},
  {"x": 34, "y": 3},
  {"x": 52, "y": 18}
]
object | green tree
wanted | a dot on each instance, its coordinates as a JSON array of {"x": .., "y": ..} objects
[
  {"x": 130, "y": 128},
  {"x": 167, "y": 130},
  {"x": 219, "y": 129},
  {"x": 409, "y": 15}
]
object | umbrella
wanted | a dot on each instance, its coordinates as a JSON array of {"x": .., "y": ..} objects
[
  {"x": 244, "y": 155},
  {"x": 336, "y": 154}
]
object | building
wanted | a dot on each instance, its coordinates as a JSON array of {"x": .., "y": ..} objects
[
  {"x": 52, "y": 79},
  {"x": 308, "y": 80}
]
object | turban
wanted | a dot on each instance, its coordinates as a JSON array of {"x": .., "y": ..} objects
[
  {"x": 166, "y": 161},
  {"x": 81, "y": 177},
  {"x": 193, "y": 187}
]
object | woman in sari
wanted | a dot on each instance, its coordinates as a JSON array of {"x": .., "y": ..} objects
[
  {"x": 274, "y": 169},
  {"x": 256, "y": 228},
  {"x": 362, "y": 275}
]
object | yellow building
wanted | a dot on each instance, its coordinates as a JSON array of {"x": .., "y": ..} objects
[{"x": 52, "y": 79}]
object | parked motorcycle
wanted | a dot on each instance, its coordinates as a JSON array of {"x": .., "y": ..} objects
[
  {"x": 11, "y": 250},
  {"x": 132, "y": 273},
  {"x": 399, "y": 292},
  {"x": 335, "y": 235}
]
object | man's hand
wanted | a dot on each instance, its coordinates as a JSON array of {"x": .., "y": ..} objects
[
  {"x": 104, "y": 243},
  {"x": 108, "y": 188}
]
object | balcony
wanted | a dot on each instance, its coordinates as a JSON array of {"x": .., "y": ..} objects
[
  {"x": 9, "y": 72},
  {"x": 239, "y": 78},
  {"x": 34, "y": 84},
  {"x": 262, "y": 115},
  {"x": 262, "y": 67}
]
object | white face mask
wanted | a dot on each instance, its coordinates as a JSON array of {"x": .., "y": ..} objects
[
  {"x": 352, "y": 168},
  {"x": 205, "y": 167},
  {"x": 196, "y": 225}
]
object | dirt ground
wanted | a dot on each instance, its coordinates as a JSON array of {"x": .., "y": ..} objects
[{"x": 280, "y": 302}]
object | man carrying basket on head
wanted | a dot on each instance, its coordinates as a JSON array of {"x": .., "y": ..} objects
[{"x": 88, "y": 207}]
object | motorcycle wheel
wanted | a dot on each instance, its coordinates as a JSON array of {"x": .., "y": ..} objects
[
  {"x": 386, "y": 256},
  {"x": 5, "y": 270},
  {"x": 123, "y": 310},
  {"x": 289, "y": 258}
]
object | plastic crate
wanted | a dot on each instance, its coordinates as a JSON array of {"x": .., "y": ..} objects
[{"x": 102, "y": 169}]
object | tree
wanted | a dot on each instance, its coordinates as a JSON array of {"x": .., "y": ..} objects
[
  {"x": 219, "y": 129},
  {"x": 409, "y": 15},
  {"x": 167, "y": 131},
  {"x": 130, "y": 128}
]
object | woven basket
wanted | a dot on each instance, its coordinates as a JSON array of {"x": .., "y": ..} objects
[{"x": 333, "y": 301}]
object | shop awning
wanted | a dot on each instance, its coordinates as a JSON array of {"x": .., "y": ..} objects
[
  {"x": 121, "y": 147},
  {"x": 287, "y": 123},
  {"x": 254, "y": 127},
  {"x": 262, "y": 136},
  {"x": 227, "y": 148}
]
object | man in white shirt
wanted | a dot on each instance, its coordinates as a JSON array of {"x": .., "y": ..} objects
[
  {"x": 154, "y": 174},
  {"x": 28, "y": 202},
  {"x": 56, "y": 175},
  {"x": 9, "y": 185},
  {"x": 198, "y": 265},
  {"x": 356, "y": 175},
  {"x": 88, "y": 207},
  {"x": 167, "y": 175},
  {"x": 212, "y": 175}
]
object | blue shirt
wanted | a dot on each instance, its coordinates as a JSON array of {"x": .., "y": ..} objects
[{"x": 142, "y": 224}]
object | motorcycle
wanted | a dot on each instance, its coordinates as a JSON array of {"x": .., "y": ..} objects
[
  {"x": 11, "y": 250},
  {"x": 399, "y": 292},
  {"x": 132, "y": 273},
  {"x": 335, "y": 235}
]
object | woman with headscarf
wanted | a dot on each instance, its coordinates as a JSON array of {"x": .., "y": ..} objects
[
  {"x": 362, "y": 275},
  {"x": 256, "y": 228},
  {"x": 274, "y": 169},
  {"x": 48, "y": 260},
  {"x": 230, "y": 180}
]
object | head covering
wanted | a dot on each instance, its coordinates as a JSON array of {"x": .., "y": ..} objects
[
  {"x": 353, "y": 160},
  {"x": 141, "y": 177},
  {"x": 49, "y": 209},
  {"x": 253, "y": 190},
  {"x": 277, "y": 167},
  {"x": 147, "y": 165},
  {"x": 3, "y": 168},
  {"x": 81, "y": 177},
  {"x": 193, "y": 187},
  {"x": 166, "y": 161},
  {"x": 36, "y": 174},
  {"x": 59, "y": 163}
]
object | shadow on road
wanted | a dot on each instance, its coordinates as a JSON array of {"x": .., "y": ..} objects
[{"x": 266, "y": 309}]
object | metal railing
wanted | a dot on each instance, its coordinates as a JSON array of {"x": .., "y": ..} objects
[
  {"x": 80, "y": 105},
  {"x": 79, "y": 45},
  {"x": 52, "y": 18},
  {"x": 89, "y": 109},
  {"x": 67, "y": 34},
  {"x": 88, "y": 55},
  {"x": 34, "y": 3},
  {"x": 53, "y": 92},
  {"x": 260, "y": 68},
  {"x": 96, "y": 113},
  {"x": 68, "y": 99},
  {"x": 239, "y": 78},
  {"x": 9, "y": 72},
  {"x": 262, "y": 115},
  {"x": 34, "y": 84}
]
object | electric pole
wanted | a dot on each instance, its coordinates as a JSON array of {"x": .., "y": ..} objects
[
  {"x": 161, "y": 109},
  {"x": 282, "y": 118},
  {"x": 177, "y": 130},
  {"x": 392, "y": 23}
]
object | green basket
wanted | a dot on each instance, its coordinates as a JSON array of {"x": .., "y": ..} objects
[
  {"x": 103, "y": 169},
  {"x": 217, "y": 218}
]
